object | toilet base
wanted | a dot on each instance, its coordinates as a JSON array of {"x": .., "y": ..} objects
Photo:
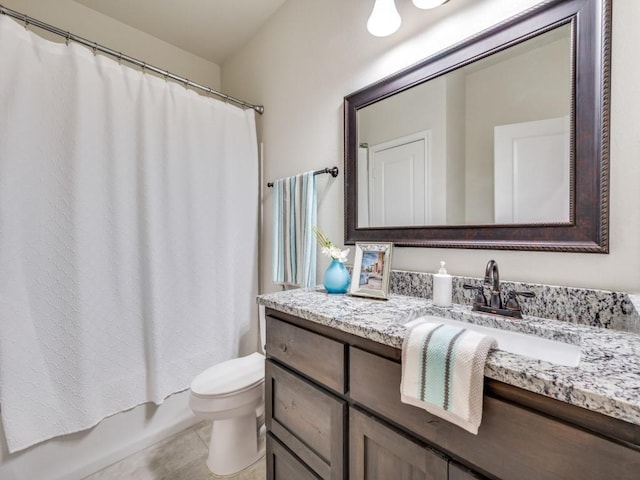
[{"x": 236, "y": 444}]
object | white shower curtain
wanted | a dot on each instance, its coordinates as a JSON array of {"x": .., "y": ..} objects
[{"x": 128, "y": 235}]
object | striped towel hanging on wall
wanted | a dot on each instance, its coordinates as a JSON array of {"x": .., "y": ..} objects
[
  {"x": 294, "y": 244},
  {"x": 443, "y": 372}
]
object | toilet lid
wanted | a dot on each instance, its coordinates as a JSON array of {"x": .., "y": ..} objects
[{"x": 231, "y": 376}]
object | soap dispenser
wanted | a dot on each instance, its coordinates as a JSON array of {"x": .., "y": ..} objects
[{"x": 442, "y": 287}]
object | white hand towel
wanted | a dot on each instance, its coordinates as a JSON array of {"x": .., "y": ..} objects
[{"x": 443, "y": 372}]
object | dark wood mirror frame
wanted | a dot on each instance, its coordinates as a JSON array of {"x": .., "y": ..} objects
[{"x": 588, "y": 228}]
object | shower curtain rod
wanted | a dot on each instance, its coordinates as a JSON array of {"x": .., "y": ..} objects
[
  {"x": 120, "y": 56},
  {"x": 333, "y": 171}
]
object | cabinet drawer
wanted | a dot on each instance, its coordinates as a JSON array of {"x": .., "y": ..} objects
[
  {"x": 378, "y": 452},
  {"x": 512, "y": 442},
  {"x": 282, "y": 465},
  {"x": 313, "y": 355},
  {"x": 308, "y": 420}
]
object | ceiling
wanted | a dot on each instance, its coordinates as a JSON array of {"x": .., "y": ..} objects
[{"x": 211, "y": 29}]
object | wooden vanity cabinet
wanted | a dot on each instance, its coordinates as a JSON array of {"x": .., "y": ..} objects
[{"x": 333, "y": 411}]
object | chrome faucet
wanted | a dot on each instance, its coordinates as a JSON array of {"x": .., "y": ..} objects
[
  {"x": 492, "y": 279},
  {"x": 494, "y": 303}
]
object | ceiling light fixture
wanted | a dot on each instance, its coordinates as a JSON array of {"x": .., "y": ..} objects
[
  {"x": 384, "y": 19},
  {"x": 426, "y": 4}
]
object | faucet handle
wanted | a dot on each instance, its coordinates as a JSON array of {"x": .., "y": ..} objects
[
  {"x": 479, "y": 299},
  {"x": 512, "y": 299}
]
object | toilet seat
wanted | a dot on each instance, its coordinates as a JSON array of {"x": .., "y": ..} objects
[{"x": 230, "y": 378}]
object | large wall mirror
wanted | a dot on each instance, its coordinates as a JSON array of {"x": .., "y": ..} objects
[{"x": 498, "y": 142}]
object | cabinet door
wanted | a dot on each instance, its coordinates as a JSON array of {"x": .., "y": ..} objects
[
  {"x": 307, "y": 419},
  {"x": 379, "y": 453},
  {"x": 282, "y": 465}
]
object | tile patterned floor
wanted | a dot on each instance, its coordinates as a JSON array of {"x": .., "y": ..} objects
[{"x": 180, "y": 457}]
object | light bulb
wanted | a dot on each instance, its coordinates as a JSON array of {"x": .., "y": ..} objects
[
  {"x": 384, "y": 19},
  {"x": 425, "y": 4}
]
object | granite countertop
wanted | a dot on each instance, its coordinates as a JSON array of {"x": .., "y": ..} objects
[{"x": 607, "y": 379}]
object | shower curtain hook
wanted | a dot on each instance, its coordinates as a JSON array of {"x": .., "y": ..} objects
[
  {"x": 186, "y": 83},
  {"x": 67, "y": 39},
  {"x": 119, "y": 58},
  {"x": 95, "y": 47},
  {"x": 144, "y": 67},
  {"x": 26, "y": 22},
  {"x": 166, "y": 75}
]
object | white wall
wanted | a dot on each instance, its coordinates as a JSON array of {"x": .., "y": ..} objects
[
  {"x": 311, "y": 54},
  {"x": 77, "y": 455},
  {"x": 96, "y": 27}
]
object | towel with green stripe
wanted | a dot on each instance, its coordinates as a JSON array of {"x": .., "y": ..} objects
[{"x": 443, "y": 372}]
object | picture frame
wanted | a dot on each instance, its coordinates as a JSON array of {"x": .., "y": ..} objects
[{"x": 371, "y": 270}]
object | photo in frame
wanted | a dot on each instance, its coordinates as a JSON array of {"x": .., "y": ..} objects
[{"x": 372, "y": 270}]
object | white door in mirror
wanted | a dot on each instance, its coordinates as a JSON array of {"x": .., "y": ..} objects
[
  {"x": 532, "y": 172},
  {"x": 399, "y": 187}
]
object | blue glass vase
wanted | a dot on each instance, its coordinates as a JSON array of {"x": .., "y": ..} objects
[{"x": 337, "y": 278}]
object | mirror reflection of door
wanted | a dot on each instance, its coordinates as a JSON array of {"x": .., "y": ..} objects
[
  {"x": 399, "y": 181},
  {"x": 532, "y": 172},
  {"x": 529, "y": 81}
]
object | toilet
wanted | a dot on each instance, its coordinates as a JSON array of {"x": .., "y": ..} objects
[{"x": 231, "y": 395}]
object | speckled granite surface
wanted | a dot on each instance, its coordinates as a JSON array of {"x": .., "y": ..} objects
[
  {"x": 597, "y": 308},
  {"x": 606, "y": 381}
]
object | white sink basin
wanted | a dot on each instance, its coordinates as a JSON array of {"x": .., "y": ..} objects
[{"x": 530, "y": 346}]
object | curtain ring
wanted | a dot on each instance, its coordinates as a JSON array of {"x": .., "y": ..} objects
[
  {"x": 166, "y": 75},
  {"x": 120, "y": 58},
  {"x": 186, "y": 83},
  {"x": 95, "y": 47},
  {"x": 144, "y": 67},
  {"x": 67, "y": 39},
  {"x": 26, "y": 22}
]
